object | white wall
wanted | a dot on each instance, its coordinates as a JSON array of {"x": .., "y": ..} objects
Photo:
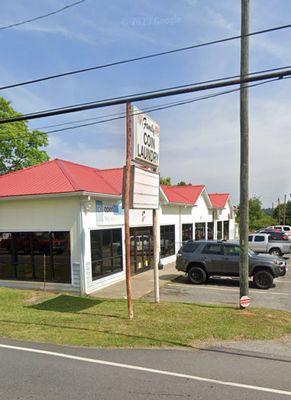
[{"x": 44, "y": 214}]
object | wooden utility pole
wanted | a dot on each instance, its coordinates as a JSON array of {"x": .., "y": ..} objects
[
  {"x": 156, "y": 257},
  {"x": 126, "y": 209},
  {"x": 279, "y": 211},
  {"x": 244, "y": 152}
]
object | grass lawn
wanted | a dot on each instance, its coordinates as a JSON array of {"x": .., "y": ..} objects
[{"x": 83, "y": 321}]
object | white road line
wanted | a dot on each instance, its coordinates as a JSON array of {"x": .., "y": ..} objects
[
  {"x": 150, "y": 370},
  {"x": 231, "y": 290}
]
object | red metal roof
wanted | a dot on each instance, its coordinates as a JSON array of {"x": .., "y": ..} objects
[
  {"x": 59, "y": 176},
  {"x": 183, "y": 194},
  {"x": 218, "y": 200}
]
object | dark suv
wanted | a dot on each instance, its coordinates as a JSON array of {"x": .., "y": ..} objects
[{"x": 201, "y": 259}]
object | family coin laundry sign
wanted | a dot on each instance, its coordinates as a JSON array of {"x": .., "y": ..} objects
[{"x": 146, "y": 146}]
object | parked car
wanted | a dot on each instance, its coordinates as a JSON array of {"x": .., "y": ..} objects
[
  {"x": 275, "y": 235},
  {"x": 263, "y": 243},
  {"x": 203, "y": 259},
  {"x": 283, "y": 228}
]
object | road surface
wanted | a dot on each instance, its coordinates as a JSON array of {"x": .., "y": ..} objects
[{"x": 30, "y": 371}]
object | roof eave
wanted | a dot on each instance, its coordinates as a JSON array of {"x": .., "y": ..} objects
[{"x": 54, "y": 195}]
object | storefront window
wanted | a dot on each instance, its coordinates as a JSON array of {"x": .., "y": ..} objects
[
  {"x": 187, "y": 232},
  {"x": 167, "y": 240},
  {"x": 35, "y": 256},
  {"x": 219, "y": 230},
  {"x": 200, "y": 231},
  {"x": 210, "y": 233},
  {"x": 141, "y": 248},
  {"x": 225, "y": 230},
  {"x": 106, "y": 252}
]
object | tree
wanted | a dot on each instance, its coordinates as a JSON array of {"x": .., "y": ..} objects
[
  {"x": 20, "y": 146},
  {"x": 288, "y": 213},
  {"x": 182, "y": 183},
  {"x": 257, "y": 218},
  {"x": 166, "y": 181}
]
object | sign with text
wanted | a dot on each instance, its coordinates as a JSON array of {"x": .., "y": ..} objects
[
  {"x": 146, "y": 143},
  {"x": 106, "y": 210}
]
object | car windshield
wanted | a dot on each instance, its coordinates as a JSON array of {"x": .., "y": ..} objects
[{"x": 251, "y": 252}]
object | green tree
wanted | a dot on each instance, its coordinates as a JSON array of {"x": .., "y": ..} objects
[
  {"x": 257, "y": 217},
  {"x": 166, "y": 181},
  {"x": 276, "y": 215},
  {"x": 20, "y": 146}
]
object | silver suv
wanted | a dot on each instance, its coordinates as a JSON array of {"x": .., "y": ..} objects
[{"x": 204, "y": 258}]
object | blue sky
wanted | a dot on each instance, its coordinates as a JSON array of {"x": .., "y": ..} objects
[{"x": 200, "y": 141}]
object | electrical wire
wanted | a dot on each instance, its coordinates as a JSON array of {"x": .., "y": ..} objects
[
  {"x": 172, "y": 91},
  {"x": 148, "y": 56},
  {"x": 162, "y": 107},
  {"x": 112, "y": 115},
  {"x": 42, "y": 16}
]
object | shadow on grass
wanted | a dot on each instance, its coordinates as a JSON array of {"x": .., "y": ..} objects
[
  {"x": 74, "y": 305},
  {"x": 64, "y": 303},
  {"x": 105, "y": 331}
]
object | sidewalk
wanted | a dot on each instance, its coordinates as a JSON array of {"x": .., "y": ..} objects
[{"x": 141, "y": 284}]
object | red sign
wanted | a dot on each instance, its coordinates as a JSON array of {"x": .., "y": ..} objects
[{"x": 244, "y": 301}]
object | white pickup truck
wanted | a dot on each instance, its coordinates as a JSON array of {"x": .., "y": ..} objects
[{"x": 260, "y": 243}]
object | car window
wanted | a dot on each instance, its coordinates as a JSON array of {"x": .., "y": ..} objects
[
  {"x": 190, "y": 247},
  {"x": 250, "y": 238},
  {"x": 231, "y": 250},
  {"x": 212, "y": 248},
  {"x": 259, "y": 238},
  {"x": 286, "y": 229}
]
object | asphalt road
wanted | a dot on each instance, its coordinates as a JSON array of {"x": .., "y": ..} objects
[
  {"x": 55, "y": 372},
  {"x": 226, "y": 291}
]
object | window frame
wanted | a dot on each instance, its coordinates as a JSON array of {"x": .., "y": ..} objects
[{"x": 112, "y": 257}]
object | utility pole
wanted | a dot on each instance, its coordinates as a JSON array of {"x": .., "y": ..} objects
[
  {"x": 284, "y": 210},
  {"x": 126, "y": 209},
  {"x": 279, "y": 211},
  {"x": 244, "y": 152}
]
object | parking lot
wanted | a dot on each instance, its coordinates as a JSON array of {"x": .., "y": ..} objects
[{"x": 226, "y": 291}]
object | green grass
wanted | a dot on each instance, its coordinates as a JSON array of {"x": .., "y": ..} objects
[{"x": 83, "y": 321}]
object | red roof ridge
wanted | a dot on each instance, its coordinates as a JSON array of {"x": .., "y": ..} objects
[
  {"x": 66, "y": 173},
  {"x": 74, "y": 163},
  {"x": 110, "y": 169},
  {"x": 219, "y": 194},
  {"x": 26, "y": 168},
  {"x": 184, "y": 186}
]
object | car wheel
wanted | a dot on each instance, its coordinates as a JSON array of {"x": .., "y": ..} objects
[
  {"x": 197, "y": 275},
  {"x": 275, "y": 252},
  {"x": 263, "y": 279}
]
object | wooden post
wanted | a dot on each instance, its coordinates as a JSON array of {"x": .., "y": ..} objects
[
  {"x": 244, "y": 158},
  {"x": 126, "y": 210},
  {"x": 156, "y": 257}
]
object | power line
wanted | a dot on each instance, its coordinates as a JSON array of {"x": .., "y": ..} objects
[
  {"x": 181, "y": 86},
  {"x": 42, "y": 16},
  {"x": 148, "y": 56},
  {"x": 160, "y": 107},
  {"x": 173, "y": 91},
  {"x": 157, "y": 108},
  {"x": 112, "y": 115}
]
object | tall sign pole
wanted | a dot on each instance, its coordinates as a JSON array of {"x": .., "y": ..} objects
[
  {"x": 244, "y": 153},
  {"x": 156, "y": 257},
  {"x": 126, "y": 209}
]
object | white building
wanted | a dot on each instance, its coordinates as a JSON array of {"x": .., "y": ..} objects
[{"x": 62, "y": 226}]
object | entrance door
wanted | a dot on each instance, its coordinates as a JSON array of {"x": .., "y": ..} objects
[{"x": 141, "y": 249}]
